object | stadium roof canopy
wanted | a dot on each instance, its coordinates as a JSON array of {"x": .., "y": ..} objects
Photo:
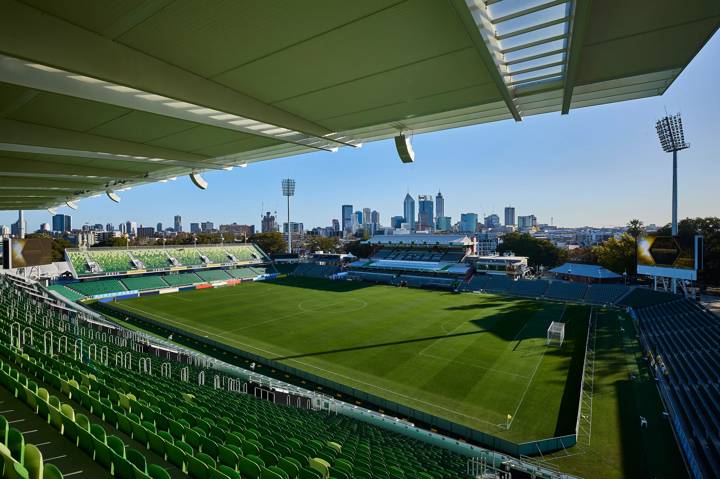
[
  {"x": 100, "y": 95},
  {"x": 586, "y": 271},
  {"x": 421, "y": 240}
]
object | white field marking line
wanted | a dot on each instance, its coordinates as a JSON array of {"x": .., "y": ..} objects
[
  {"x": 296, "y": 313},
  {"x": 6, "y": 411},
  {"x": 345, "y": 377},
  {"x": 30, "y": 432},
  {"x": 43, "y": 443},
  {"x": 474, "y": 365},
  {"x": 16, "y": 421},
  {"x": 412, "y": 398},
  {"x": 68, "y": 474},
  {"x": 527, "y": 387},
  {"x": 55, "y": 457}
]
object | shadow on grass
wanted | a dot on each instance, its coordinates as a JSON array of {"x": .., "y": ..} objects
[
  {"x": 379, "y": 345},
  {"x": 319, "y": 284}
]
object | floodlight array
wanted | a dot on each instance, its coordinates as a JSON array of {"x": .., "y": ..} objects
[
  {"x": 671, "y": 134},
  {"x": 288, "y": 187}
]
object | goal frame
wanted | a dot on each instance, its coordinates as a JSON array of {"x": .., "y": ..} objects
[{"x": 555, "y": 334}]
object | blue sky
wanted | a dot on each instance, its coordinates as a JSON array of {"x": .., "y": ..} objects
[{"x": 596, "y": 166}]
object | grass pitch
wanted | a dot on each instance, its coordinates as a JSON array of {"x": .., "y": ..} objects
[{"x": 471, "y": 359}]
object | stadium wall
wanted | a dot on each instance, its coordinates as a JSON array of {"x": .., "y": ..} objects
[{"x": 212, "y": 347}]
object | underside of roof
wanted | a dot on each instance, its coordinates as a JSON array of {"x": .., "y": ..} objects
[{"x": 104, "y": 95}]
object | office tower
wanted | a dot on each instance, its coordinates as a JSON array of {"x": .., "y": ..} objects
[
  {"x": 131, "y": 228},
  {"x": 509, "y": 216},
  {"x": 178, "y": 224},
  {"x": 367, "y": 215},
  {"x": 335, "y": 225},
  {"x": 346, "y": 218},
  {"x": 468, "y": 222},
  {"x": 61, "y": 223},
  {"x": 443, "y": 223},
  {"x": 529, "y": 221},
  {"x": 439, "y": 208},
  {"x": 492, "y": 221},
  {"x": 426, "y": 219},
  {"x": 194, "y": 227},
  {"x": 358, "y": 218},
  {"x": 397, "y": 221},
  {"x": 145, "y": 232},
  {"x": 375, "y": 217},
  {"x": 409, "y": 211},
  {"x": 109, "y": 227},
  {"x": 267, "y": 223},
  {"x": 122, "y": 228},
  {"x": 159, "y": 228},
  {"x": 207, "y": 226}
]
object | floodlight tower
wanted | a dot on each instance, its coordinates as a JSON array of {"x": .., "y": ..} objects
[
  {"x": 672, "y": 139},
  {"x": 288, "y": 189}
]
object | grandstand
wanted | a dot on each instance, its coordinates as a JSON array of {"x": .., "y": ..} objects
[
  {"x": 96, "y": 262},
  {"x": 681, "y": 342},
  {"x": 135, "y": 423}
]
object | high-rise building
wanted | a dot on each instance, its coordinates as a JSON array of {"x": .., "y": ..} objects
[
  {"x": 159, "y": 228},
  {"x": 367, "y": 216},
  {"x": 439, "y": 209},
  {"x": 375, "y": 217},
  {"x": 109, "y": 227},
  {"x": 45, "y": 227},
  {"x": 346, "y": 217},
  {"x": 207, "y": 226},
  {"x": 492, "y": 221},
  {"x": 509, "y": 216},
  {"x": 444, "y": 223},
  {"x": 239, "y": 230},
  {"x": 194, "y": 227},
  {"x": 529, "y": 221},
  {"x": 122, "y": 228},
  {"x": 358, "y": 218},
  {"x": 15, "y": 228},
  {"x": 295, "y": 228},
  {"x": 468, "y": 222},
  {"x": 131, "y": 228},
  {"x": 268, "y": 223},
  {"x": 178, "y": 224},
  {"x": 145, "y": 232},
  {"x": 426, "y": 219},
  {"x": 61, "y": 223},
  {"x": 4, "y": 231},
  {"x": 335, "y": 225},
  {"x": 397, "y": 221},
  {"x": 409, "y": 212}
]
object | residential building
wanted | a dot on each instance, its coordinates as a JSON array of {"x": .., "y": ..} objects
[
  {"x": 336, "y": 225},
  {"x": 145, "y": 232},
  {"x": 367, "y": 216},
  {"x": 207, "y": 226},
  {"x": 238, "y": 230}
]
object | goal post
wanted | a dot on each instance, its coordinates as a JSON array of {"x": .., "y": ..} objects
[{"x": 555, "y": 334}]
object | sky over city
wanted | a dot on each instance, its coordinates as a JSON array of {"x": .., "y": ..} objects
[{"x": 597, "y": 166}]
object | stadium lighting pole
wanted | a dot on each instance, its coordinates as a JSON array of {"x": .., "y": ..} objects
[
  {"x": 672, "y": 139},
  {"x": 288, "y": 189}
]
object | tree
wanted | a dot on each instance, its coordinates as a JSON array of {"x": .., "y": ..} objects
[
  {"x": 635, "y": 228},
  {"x": 540, "y": 252},
  {"x": 360, "y": 249},
  {"x": 709, "y": 228},
  {"x": 322, "y": 243},
  {"x": 617, "y": 255},
  {"x": 272, "y": 243}
]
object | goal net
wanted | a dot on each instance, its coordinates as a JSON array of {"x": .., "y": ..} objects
[{"x": 555, "y": 334}]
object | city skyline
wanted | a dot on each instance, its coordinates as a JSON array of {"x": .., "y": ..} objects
[{"x": 609, "y": 150}]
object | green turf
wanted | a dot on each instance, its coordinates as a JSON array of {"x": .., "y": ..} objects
[
  {"x": 467, "y": 358},
  {"x": 617, "y": 446}
]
